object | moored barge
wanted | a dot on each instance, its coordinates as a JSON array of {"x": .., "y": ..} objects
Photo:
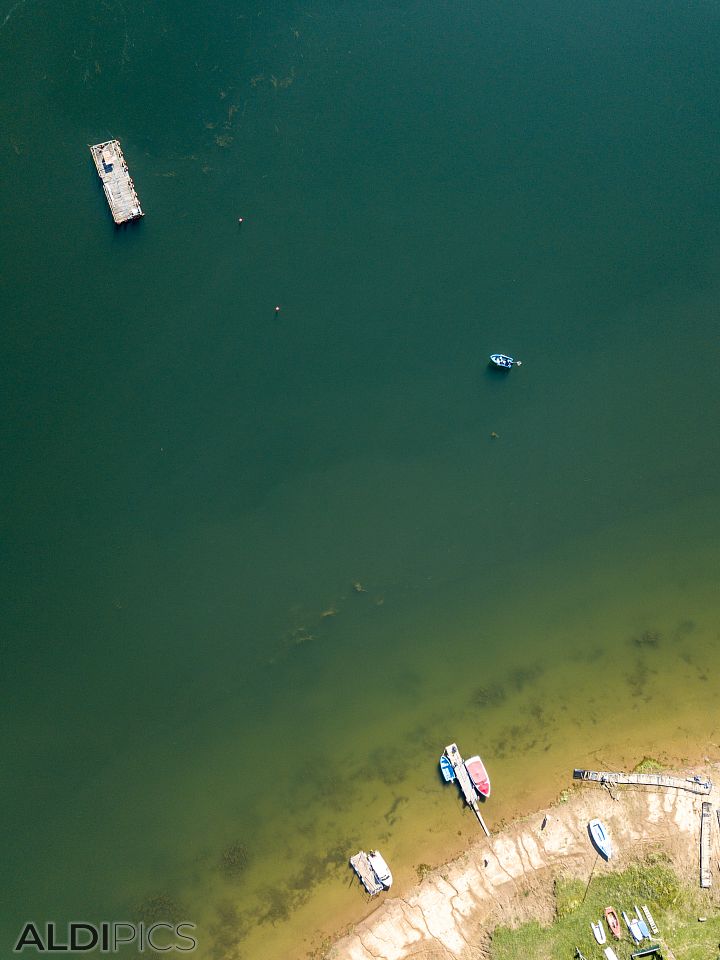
[{"x": 117, "y": 182}]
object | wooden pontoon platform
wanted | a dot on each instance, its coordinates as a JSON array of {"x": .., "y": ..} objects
[
  {"x": 116, "y": 180},
  {"x": 692, "y": 784},
  {"x": 361, "y": 866}
]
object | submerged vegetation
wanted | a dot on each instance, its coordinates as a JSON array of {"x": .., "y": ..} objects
[
  {"x": 649, "y": 638},
  {"x": 488, "y": 696},
  {"x": 234, "y": 860},
  {"x": 648, "y": 765},
  {"x": 159, "y": 907},
  {"x": 228, "y": 929}
]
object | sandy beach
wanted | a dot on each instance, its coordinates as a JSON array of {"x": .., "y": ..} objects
[{"x": 509, "y": 878}]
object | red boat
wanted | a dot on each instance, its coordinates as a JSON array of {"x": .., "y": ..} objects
[
  {"x": 478, "y": 774},
  {"x": 613, "y": 922}
]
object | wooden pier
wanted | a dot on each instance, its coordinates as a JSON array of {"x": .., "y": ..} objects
[
  {"x": 691, "y": 784},
  {"x": 466, "y": 785},
  {"x": 361, "y": 866},
  {"x": 116, "y": 180},
  {"x": 705, "y": 844}
]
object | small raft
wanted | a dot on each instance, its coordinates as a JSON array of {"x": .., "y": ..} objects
[{"x": 372, "y": 870}]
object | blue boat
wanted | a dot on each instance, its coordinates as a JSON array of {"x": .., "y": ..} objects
[
  {"x": 644, "y": 929},
  {"x": 503, "y": 361},
  {"x": 447, "y": 769},
  {"x": 634, "y": 927},
  {"x": 600, "y": 838}
]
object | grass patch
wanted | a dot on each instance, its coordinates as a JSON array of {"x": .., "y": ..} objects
[
  {"x": 569, "y": 894},
  {"x": 652, "y": 882},
  {"x": 648, "y": 765}
]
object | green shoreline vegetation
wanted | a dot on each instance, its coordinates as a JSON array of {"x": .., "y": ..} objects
[
  {"x": 648, "y": 765},
  {"x": 675, "y": 902}
]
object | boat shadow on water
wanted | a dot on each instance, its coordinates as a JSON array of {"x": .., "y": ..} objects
[{"x": 493, "y": 370}]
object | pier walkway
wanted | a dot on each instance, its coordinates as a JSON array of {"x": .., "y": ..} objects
[
  {"x": 116, "y": 180},
  {"x": 466, "y": 785},
  {"x": 705, "y": 844},
  {"x": 691, "y": 784}
]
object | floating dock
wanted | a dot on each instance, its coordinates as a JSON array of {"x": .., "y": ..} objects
[
  {"x": 116, "y": 180},
  {"x": 361, "y": 866},
  {"x": 705, "y": 844},
  {"x": 692, "y": 784},
  {"x": 466, "y": 785}
]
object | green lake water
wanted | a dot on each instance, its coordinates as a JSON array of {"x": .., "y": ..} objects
[{"x": 258, "y": 570}]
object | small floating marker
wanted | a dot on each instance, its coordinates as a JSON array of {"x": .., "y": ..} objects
[{"x": 277, "y": 309}]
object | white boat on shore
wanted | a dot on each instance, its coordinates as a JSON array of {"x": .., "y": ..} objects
[{"x": 600, "y": 838}]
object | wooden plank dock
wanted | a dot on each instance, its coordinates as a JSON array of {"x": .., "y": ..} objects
[
  {"x": 705, "y": 844},
  {"x": 691, "y": 784},
  {"x": 361, "y": 866},
  {"x": 116, "y": 180},
  {"x": 466, "y": 785}
]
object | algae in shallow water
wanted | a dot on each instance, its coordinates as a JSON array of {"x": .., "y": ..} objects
[
  {"x": 159, "y": 907},
  {"x": 234, "y": 860},
  {"x": 648, "y": 765}
]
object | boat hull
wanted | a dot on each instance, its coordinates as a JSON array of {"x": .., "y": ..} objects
[
  {"x": 502, "y": 360},
  {"x": 479, "y": 775},
  {"x": 447, "y": 769},
  {"x": 600, "y": 838},
  {"x": 613, "y": 922},
  {"x": 633, "y": 927},
  {"x": 380, "y": 869}
]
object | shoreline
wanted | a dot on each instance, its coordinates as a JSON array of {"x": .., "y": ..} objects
[{"x": 450, "y": 912}]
